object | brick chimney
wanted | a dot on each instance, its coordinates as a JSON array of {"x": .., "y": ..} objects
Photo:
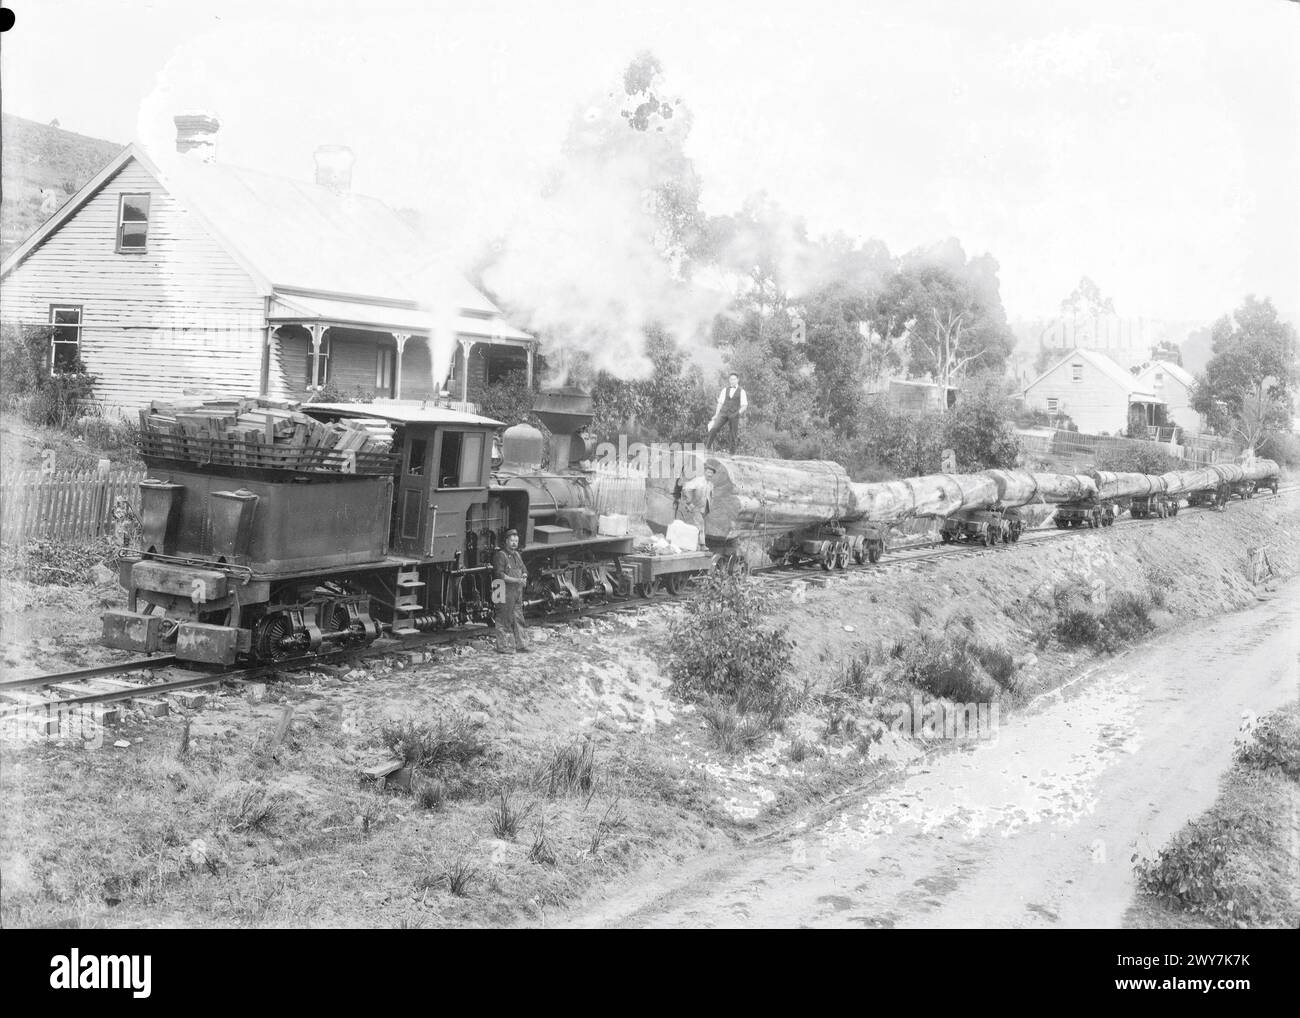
[
  {"x": 196, "y": 135},
  {"x": 334, "y": 167}
]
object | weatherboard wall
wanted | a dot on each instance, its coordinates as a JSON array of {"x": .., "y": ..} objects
[
  {"x": 181, "y": 315},
  {"x": 1094, "y": 402}
]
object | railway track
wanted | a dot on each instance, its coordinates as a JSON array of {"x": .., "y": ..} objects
[{"x": 31, "y": 697}]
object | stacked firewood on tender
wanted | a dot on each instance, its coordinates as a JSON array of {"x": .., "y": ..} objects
[{"x": 261, "y": 432}]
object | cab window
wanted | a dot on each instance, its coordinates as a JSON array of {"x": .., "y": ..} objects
[{"x": 460, "y": 464}]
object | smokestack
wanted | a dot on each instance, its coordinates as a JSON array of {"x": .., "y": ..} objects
[
  {"x": 196, "y": 135},
  {"x": 334, "y": 167},
  {"x": 564, "y": 412}
]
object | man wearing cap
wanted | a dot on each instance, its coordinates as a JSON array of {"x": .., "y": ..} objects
[
  {"x": 732, "y": 404},
  {"x": 510, "y": 576}
]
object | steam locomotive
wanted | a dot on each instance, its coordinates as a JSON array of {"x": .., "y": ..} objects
[{"x": 250, "y": 553}]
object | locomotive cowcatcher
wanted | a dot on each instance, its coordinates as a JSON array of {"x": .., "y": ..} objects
[{"x": 261, "y": 553}]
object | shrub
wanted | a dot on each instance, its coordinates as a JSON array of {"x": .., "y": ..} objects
[
  {"x": 27, "y": 385},
  {"x": 722, "y": 651},
  {"x": 509, "y": 400},
  {"x": 1191, "y": 869},
  {"x": 1138, "y": 460},
  {"x": 331, "y": 393},
  {"x": 1078, "y": 627},
  {"x": 1275, "y": 743},
  {"x": 947, "y": 667},
  {"x": 445, "y": 749},
  {"x": 1126, "y": 618}
]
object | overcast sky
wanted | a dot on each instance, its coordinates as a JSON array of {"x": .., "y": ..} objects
[{"x": 1150, "y": 145}]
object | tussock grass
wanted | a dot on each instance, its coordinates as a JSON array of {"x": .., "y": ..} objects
[
  {"x": 506, "y": 817},
  {"x": 429, "y": 745},
  {"x": 571, "y": 770},
  {"x": 731, "y": 731}
]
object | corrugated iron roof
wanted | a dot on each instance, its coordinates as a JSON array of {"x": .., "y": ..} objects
[
  {"x": 403, "y": 412},
  {"x": 369, "y": 314},
  {"x": 301, "y": 235}
]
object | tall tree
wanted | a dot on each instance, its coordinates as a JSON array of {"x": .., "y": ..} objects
[
  {"x": 949, "y": 310},
  {"x": 1247, "y": 386}
]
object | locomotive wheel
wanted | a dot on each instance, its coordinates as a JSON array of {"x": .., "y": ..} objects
[
  {"x": 873, "y": 552},
  {"x": 988, "y": 539},
  {"x": 842, "y": 558},
  {"x": 860, "y": 552},
  {"x": 674, "y": 583},
  {"x": 268, "y": 635}
]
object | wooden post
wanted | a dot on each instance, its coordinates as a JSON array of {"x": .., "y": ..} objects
[
  {"x": 317, "y": 333},
  {"x": 466, "y": 345},
  {"x": 530, "y": 366},
  {"x": 401, "y": 338}
]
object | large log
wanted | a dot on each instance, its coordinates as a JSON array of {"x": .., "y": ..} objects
[
  {"x": 931, "y": 495},
  {"x": 755, "y": 495},
  {"x": 1228, "y": 472},
  {"x": 752, "y": 495},
  {"x": 1015, "y": 487},
  {"x": 1065, "y": 487},
  {"x": 1180, "y": 482},
  {"x": 1259, "y": 470},
  {"x": 1116, "y": 485}
]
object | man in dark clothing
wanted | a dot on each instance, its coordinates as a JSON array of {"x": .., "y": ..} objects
[
  {"x": 732, "y": 404},
  {"x": 509, "y": 577}
]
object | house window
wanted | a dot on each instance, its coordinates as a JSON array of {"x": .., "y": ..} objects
[
  {"x": 1160, "y": 379},
  {"x": 384, "y": 369},
  {"x": 1076, "y": 372},
  {"x": 1053, "y": 404},
  {"x": 65, "y": 352},
  {"x": 132, "y": 223},
  {"x": 324, "y": 375}
]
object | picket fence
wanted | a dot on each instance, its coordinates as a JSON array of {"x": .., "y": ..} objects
[
  {"x": 73, "y": 506},
  {"x": 619, "y": 490},
  {"x": 1045, "y": 443}
]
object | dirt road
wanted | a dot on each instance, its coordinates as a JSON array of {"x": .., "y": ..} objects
[{"x": 1033, "y": 828}]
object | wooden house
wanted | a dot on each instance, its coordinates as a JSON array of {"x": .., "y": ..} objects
[
  {"x": 185, "y": 273},
  {"x": 1097, "y": 394},
  {"x": 1174, "y": 384}
]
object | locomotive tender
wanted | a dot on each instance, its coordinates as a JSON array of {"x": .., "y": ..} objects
[{"x": 256, "y": 553}]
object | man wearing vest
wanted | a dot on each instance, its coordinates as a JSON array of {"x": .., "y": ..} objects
[
  {"x": 509, "y": 577},
  {"x": 732, "y": 404}
]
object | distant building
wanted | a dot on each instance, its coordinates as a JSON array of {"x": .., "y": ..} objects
[
  {"x": 913, "y": 396},
  {"x": 1174, "y": 384},
  {"x": 191, "y": 274},
  {"x": 1097, "y": 394}
]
